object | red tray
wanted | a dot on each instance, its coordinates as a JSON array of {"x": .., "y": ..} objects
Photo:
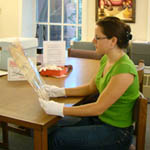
[{"x": 54, "y": 72}]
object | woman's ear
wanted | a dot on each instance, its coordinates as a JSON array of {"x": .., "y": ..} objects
[{"x": 113, "y": 41}]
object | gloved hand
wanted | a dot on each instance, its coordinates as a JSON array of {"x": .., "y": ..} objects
[
  {"x": 52, "y": 108},
  {"x": 54, "y": 91}
]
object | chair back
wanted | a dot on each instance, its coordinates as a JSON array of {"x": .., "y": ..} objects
[
  {"x": 88, "y": 54},
  {"x": 140, "y": 113},
  {"x": 141, "y": 77},
  {"x": 140, "y": 116},
  {"x": 140, "y": 71}
]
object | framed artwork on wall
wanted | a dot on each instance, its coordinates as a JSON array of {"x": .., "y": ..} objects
[{"x": 123, "y": 9}]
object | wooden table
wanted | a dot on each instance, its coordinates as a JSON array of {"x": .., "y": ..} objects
[{"x": 19, "y": 103}]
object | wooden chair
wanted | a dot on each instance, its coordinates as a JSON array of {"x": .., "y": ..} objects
[
  {"x": 88, "y": 54},
  {"x": 140, "y": 116},
  {"x": 141, "y": 75}
]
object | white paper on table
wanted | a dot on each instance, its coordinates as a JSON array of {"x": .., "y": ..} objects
[
  {"x": 54, "y": 53},
  {"x": 2, "y": 73}
]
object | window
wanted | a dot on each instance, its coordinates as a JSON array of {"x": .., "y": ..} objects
[{"x": 59, "y": 20}]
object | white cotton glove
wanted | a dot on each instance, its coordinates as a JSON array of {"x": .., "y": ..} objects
[
  {"x": 54, "y": 91},
  {"x": 52, "y": 108}
]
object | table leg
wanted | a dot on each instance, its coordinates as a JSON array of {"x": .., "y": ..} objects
[
  {"x": 40, "y": 139},
  {"x": 4, "y": 143}
]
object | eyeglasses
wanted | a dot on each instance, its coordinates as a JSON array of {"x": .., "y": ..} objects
[{"x": 100, "y": 38}]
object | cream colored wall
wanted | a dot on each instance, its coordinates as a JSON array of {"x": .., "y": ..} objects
[
  {"x": 140, "y": 29},
  {"x": 90, "y": 21},
  {"x": 17, "y": 18},
  {"x": 9, "y": 18}
]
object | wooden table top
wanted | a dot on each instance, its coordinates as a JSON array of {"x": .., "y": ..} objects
[{"x": 19, "y": 102}]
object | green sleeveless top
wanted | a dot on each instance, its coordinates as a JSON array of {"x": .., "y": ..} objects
[{"x": 120, "y": 113}]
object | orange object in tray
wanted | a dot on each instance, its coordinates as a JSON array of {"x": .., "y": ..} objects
[{"x": 50, "y": 72}]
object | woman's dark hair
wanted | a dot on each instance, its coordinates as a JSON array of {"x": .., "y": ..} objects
[{"x": 114, "y": 27}]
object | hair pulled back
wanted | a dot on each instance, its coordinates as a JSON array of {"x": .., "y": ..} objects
[{"x": 114, "y": 27}]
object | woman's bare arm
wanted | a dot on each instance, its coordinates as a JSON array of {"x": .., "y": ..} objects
[
  {"x": 116, "y": 87},
  {"x": 82, "y": 90}
]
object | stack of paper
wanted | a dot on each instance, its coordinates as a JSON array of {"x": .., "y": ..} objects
[{"x": 54, "y": 53}]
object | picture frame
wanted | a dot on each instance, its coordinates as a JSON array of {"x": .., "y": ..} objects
[{"x": 123, "y": 9}]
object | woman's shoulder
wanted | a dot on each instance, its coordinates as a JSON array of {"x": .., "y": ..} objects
[
  {"x": 125, "y": 65},
  {"x": 125, "y": 60}
]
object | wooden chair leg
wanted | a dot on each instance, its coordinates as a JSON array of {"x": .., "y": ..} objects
[{"x": 4, "y": 143}]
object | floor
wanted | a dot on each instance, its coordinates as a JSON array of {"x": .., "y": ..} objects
[{"x": 20, "y": 142}]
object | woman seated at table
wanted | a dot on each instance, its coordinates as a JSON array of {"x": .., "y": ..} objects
[{"x": 107, "y": 123}]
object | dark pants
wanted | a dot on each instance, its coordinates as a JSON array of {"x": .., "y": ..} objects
[{"x": 88, "y": 133}]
